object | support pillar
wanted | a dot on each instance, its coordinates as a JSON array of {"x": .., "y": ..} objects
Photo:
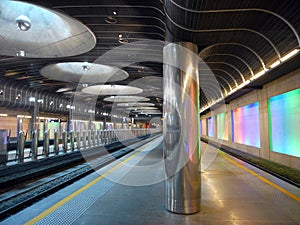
[
  {"x": 19, "y": 125},
  {"x": 70, "y": 125},
  {"x": 104, "y": 123},
  {"x": 181, "y": 128},
  {"x": 34, "y": 115}
]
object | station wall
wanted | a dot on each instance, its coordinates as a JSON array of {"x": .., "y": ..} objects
[{"x": 264, "y": 122}]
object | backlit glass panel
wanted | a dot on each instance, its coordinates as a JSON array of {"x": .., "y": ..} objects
[
  {"x": 210, "y": 127},
  {"x": 245, "y": 124},
  {"x": 284, "y": 123},
  {"x": 222, "y": 126}
]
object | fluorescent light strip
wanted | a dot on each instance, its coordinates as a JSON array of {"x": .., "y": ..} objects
[
  {"x": 275, "y": 64},
  {"x": 290, "y": 55}
]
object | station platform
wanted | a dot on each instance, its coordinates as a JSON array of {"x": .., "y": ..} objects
[{"x": 131, "y": 191}]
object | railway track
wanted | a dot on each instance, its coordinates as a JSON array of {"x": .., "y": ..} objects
[{"x": 34, "y": 189}]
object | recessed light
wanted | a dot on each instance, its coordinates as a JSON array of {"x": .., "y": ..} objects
[
  {"x": 21, "y": 53},
  {"x": 23, "y": 23},
  {"x": 111, "y": 20},
  {"x": 123, "y": 41},
  {"x": 85, "y": 67}
]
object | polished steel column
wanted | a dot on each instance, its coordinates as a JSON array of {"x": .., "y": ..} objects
[
  {"x": 65, "y": 141},
  {"x": 21, "y": 146},
  {"x": 46, "y": 143},
  {"x": 34, "y": 145},
  {"x": 78, "y": 140},
  {"x": 181, "y": 128},
  {"x": 72, "y": 140},
  {"x": 56, "y": 142}
]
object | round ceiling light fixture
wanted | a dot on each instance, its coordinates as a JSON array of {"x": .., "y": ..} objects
[
  {"x": 142, "y": 108},
  {"x": 111, "y": 90},
  {"x": 111, "y": 20},
  {"x": 63, "y": 89},
  {"x": 122, "y": 40},
  {"x": 41, "y": 32},
  {"x": 23, "y": 23},
  {"x": 85, "y": 73},
  {"x": 126, "y": 99},
  {"x": 157, "y": 112},
  {"x": 136, "y": 104}
]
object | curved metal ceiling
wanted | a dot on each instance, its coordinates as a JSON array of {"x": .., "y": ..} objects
[{"x": 237, "y": 38}]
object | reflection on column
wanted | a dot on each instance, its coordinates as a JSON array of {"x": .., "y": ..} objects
[{"x": 181, "y": 128}]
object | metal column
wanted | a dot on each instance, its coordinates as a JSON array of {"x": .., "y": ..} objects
[
  {"x": 181, "y": 128},
  {"x": 78, "y": 140},
  {"x": 46, "y": 143},
  {"x": 34, "y": 115},
  {"x": 34, "y": 144},
  {"x": 72, "y": 141},
  {"x": 65, "y": 141},
  {"x": 20, "y": 146},
  {"x": 3, "y": 146},
  {"x": 56, "y": 142}
]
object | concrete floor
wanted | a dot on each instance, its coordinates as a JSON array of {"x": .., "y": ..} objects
[{"x": 230, "y": 195}]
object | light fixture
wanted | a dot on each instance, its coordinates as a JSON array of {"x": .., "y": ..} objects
[
  {"x": 111, "y": 20},
  {"x": 275, "y": 64},
  {"x": 114, "y": 12},
  {"x": 51, "y": 103},
  {"x": 135, "y": 104},
  {"x": 23, "y": 23},
  {"x": 18, "y": 96},
  {"x": 40, "y": 101},
  {"x": 124, "y": 99},
  {"x": 64, "y": 89},
  {"x": 1, "y": 92},
  {"x": 21, "y": 53},
  {"x": 83, "y": 73},
  {"x": 2, "y": 114},
  {"x": 104, "y": 89},
  {"x": 290, "y": 55},
  {"x": 85, "y": 67},
  {"x": 259, "y": 74},
  {"x": 141, "y": 69},
  {"x": 32, "y": 99},
  {"x": 122, "y": 40}
]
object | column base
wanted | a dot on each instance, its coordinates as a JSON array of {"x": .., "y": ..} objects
[{"x": 186, "y": 207}]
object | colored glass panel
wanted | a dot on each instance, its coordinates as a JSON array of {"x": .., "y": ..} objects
[
  {"x": 245, "y": 124},
  {"x": 284, "y": 123},
  {"x": 203, "y": 127},
  {"x": 210, "y": 127},
  {"x": 222, "y": 126}
]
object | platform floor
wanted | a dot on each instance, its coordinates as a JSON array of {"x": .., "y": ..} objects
[{"x": 233, "y": 192}]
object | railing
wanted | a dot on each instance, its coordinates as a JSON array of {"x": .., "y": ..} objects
[{"x": 65, "y": 142}]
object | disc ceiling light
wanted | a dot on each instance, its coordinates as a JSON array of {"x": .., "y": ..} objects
[
  {"x": 149, "y": 112},
  {"x": 83, "y": 72},
  {"x": 107, "y": 89},
  {"x": 141, "y": 108},
  {"x": 126, "y": 99},
  {"x": 136, "y": 104},
  {"x": 37, "y": 32}
]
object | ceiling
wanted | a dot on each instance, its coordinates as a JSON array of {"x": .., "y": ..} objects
[{"x": 237, "y": 39}]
